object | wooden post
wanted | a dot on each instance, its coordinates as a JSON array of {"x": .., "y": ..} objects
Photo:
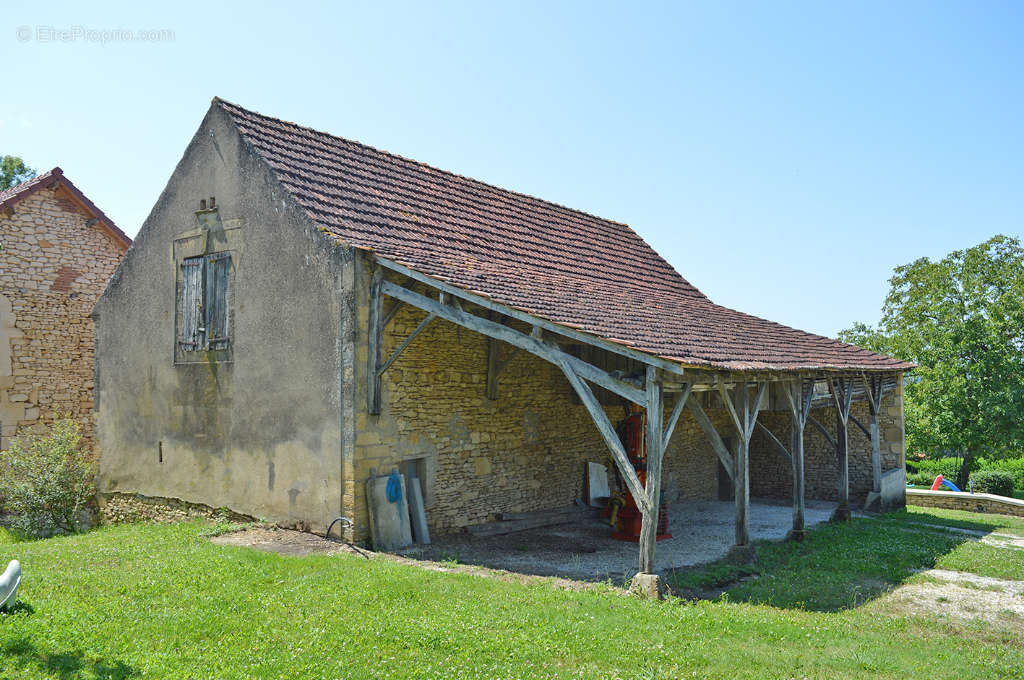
[
  {"x": 493, "y": 367},
  {"x": 374, "y": 344},
  {"x": 741, "y": 473},
  {"x": 799, "y": 408},
  {"x": 744, "y": 417},
  {"x": 652, "y": 486},
  {"x": 842, "y": 394}
]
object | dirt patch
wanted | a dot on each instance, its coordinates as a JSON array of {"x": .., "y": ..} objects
[
  {"x": 960, "y": 596},
  {"x": 287, "y": 542},
  {"x": 298, "y": 543}
]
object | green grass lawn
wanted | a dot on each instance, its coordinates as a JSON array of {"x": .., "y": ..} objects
[{"x": 153, "y": 601}]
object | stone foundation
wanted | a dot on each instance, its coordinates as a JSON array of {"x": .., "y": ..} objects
[{"x": 117, "y": 508}]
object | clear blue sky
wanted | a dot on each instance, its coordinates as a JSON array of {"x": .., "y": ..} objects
[{"x": 784, "y": 157}]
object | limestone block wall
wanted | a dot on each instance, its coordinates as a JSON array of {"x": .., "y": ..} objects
[
  {"x": 771, "y": 474},
  {"x": 524, "y": 451},
  {"x": 53, "y": 267}
]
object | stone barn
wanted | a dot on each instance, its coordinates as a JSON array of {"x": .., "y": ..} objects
[
  {"x": 301, "y": 312},
  {"x": 57, "y": 250}
]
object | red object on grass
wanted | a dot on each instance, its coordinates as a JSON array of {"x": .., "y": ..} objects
[{"x": 937, "y": 484}]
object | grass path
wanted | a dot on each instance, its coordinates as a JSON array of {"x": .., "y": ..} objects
[{"x": 153, "y": 601}]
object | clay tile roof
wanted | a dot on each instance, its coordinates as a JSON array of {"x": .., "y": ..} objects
[
  {"x": 9, "y": 197},
  {"x": 563, "y": 265}
]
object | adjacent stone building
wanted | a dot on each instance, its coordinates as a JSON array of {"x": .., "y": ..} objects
[
  {"x": 57, "y": 250},
  {"x": 301, "y": 312}
]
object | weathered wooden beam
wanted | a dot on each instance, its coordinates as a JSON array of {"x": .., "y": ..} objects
[
  {"x": 677, "y": 410},
  {"x": 821, "y": 428},
  {"x": 755, "y": 409},
  {"x": 374, "y": 339},
  {"x": 655, "y": 454},
  {"x": 580, "y": 336},
  {"x": 611, "y": 438},
  {"x": 493, "y": 367},
  {"x": 712, "y": 435},
  {"x": 741, "y": 477},
  {"x": 860, "y": 426},
  {"x": 390, "y": 314},
  {"x": 515, "y": 338},
  {"x": 738, "y": 423},
  {"x": 799, "y": 399},
  {"x": 780, "y": 447},
  {"x": 405, "y": 343}
]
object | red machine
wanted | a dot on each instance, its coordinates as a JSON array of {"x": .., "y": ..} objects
[{"x": 626, "y": 516}]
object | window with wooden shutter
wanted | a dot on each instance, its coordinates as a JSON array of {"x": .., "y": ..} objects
[
  {"x": 191, "y": 335},
  {"x": 203, "y": 303},
  {"x": 218, "y": 267}
]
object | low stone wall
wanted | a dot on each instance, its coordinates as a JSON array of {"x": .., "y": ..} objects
[
  {"x": 971, "y": 502},
  {"x": 115, "y": 508}
]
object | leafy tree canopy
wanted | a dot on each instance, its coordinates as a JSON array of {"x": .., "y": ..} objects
[
  {"x": 13, "y": 171},
  {"x": 961, "y": 319}
]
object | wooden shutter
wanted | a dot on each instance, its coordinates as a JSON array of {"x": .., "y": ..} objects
[
  {"x": 190, "y": 305},
  {"x": 218, "y": 268}
]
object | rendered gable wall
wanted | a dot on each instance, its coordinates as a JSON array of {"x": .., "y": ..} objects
[{"x": 255, "y": 429}]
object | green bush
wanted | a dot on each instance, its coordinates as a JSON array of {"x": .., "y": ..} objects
[
  {"x": 46, "y": 480},
  {"x": 947, "y": 467},
  {"x": 920, "y": 479},
  {"x": 1015, "y": 466},
  {"x": 997, "y": 482}
]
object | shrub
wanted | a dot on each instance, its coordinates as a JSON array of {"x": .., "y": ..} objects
[
  {"x": 947, "y": 467},
  {"x": 1015, "y": 466},
  {"x": 47, "y": 480},
  {"x": 997, "y": 482},
  {"x": 920, "y": 479}
]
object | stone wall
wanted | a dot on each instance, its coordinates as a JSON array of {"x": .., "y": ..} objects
[
  {"x": 115, "y": 508},
  {"x": 53, "y": 267},
  {"x": 970, "y": 502},
  {"x": 524, "y": 451},
  {"x": 771, "y": 473}
]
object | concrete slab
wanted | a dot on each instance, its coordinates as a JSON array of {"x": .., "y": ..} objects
[{"x": 702, "y": 531}]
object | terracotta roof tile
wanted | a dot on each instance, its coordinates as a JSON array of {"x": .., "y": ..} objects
[{"x": 559, "y": 264}]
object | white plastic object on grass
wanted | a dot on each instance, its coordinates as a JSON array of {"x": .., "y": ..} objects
[{"x": 9, "y": 582}]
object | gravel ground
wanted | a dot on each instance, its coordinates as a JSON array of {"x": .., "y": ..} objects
[
  {"x": 962, "y": 596},
  {"x": 702, "y": 532}
]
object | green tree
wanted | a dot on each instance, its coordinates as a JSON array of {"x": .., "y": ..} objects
[
  {"x": 961, "y": 319},
  {"x": 13, "y": 171}
]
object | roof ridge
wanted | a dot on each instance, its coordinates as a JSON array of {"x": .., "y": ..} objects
[
  {"x": 571, "y": 267},
  {"x": 450, "y": 173},
  {"x": 19, "y": 191}
]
